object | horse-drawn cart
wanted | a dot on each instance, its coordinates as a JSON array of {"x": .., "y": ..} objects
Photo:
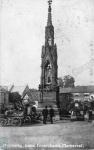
[{"x": 18, "y": 118}]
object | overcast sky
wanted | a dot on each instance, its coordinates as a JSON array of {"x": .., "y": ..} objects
[{"x": 23, "y": 34}]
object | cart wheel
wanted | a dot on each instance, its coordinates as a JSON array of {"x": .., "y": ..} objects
[
  {"x": 3, "y": 122},
  {"x": 19, "y": 122},
  {"x": 27, "y": 120},
  {"x": 15, "y": 121}
]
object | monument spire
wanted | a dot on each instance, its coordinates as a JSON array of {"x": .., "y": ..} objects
[
  {"x": 49, "y": 55},
  {"x": 49, "y": 22}
]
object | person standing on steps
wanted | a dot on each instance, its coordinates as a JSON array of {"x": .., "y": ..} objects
[
  {"x": 51, "y": 112},
  {"x": 45, "y": 114}
]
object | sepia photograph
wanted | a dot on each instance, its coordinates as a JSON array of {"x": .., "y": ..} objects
[{"x": 46, "y": 74}]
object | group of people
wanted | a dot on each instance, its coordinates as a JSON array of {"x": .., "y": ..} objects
[
  {"x": 88, "y": 114},
  {"x": 45, "y": 113}
]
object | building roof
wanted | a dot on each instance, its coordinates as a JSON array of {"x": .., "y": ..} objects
[
  {"x": 78, "y": 89},
  {"x": 19, "y": 89},
  {"x": 10, "y": 87},
  {"x": 32, "y": 94},
  {"x": 65, "y": 90},
  {"x": 83, "y": 89},
  {"x": 3, "y": 88}
]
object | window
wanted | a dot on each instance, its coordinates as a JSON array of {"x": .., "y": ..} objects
[
  {"x": 76, "y": 100},
  {"x": 86, "y": 94},
  {"x": 76, "y": 94}
]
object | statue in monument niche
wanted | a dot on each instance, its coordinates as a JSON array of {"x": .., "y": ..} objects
[{"x": 48, "y": 73}]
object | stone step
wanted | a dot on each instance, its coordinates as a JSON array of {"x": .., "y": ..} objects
[
  {"x": 39, "y": 111},
  {"x": 47, "y": 98},
  {"x": 47, "y": 104},
  {"x": 49, "y": 94}
]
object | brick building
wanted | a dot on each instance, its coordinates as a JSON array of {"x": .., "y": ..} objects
[{"x": 84, "y": 94}]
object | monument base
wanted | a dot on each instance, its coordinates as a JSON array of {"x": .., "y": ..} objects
[{"x": 48, "y": 99}]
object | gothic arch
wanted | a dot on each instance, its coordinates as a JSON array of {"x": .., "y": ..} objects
[{"x": 49, "y": 58}]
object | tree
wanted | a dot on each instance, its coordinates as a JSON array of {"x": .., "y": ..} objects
[
  {"x": 66, "y": 81},
  {"x": 14, "y": 97},
  {"x": 66, "y": 100}
]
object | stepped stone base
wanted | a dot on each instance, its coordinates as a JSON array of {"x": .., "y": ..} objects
[
  {"x": 49, "y": 99},
  {"x": 48, "y": 104}
]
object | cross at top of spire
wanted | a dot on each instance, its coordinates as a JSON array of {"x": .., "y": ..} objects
[
  {"x": 49, "y": 22},
  {"x": 49, "y": 2}
]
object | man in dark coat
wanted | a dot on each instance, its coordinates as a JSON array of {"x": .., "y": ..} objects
[
  {"x": 51, "y": 112},
  {"x": 45, "y": 114},
  {"x": 90, "y": 114}
]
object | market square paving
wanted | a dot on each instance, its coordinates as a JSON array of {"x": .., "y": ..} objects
[{"x": 63, "y": 134}]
